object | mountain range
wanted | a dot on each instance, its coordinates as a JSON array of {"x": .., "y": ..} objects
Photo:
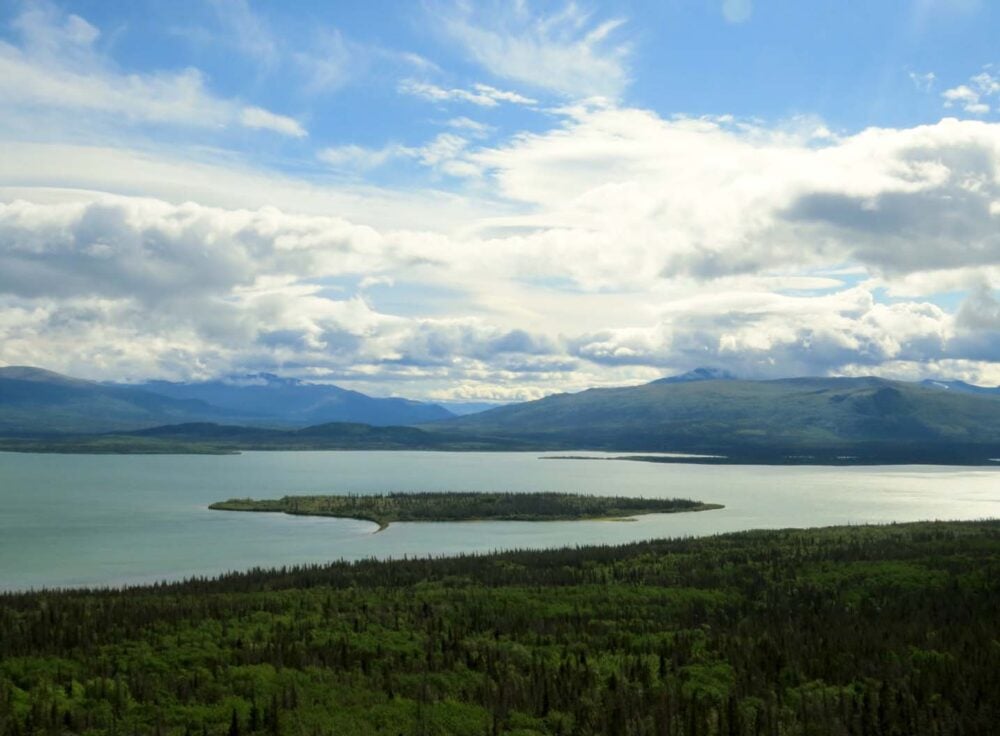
[
  {"x": 37, "y": 401},
  {"x": 708, "y": 412},
  {"x": 705, "y": 411},
  {"x": 289, "y": 401}
]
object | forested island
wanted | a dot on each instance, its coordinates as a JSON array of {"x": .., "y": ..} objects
[
  {"x": 857, "y": 630},
  {"x": 385, "y": 508}
]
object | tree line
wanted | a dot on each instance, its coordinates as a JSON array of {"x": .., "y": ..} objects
[{"x": 864, "y": 630}]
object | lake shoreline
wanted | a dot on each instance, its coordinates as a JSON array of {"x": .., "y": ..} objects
[
  {"x": 72, "y": 520},
  {"x": 797, "y": 461},
  {"x": 450, "y": 507},
  {"x": 168, "y": 583},
  {"x": 665, "y": 458}
]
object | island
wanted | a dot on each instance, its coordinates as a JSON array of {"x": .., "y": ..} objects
[{"x": 462, "y": 506}]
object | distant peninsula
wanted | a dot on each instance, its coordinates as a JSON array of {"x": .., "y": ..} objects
[{"x": 386, "y": 508}]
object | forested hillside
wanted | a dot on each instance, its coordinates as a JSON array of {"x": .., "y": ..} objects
[
  {"x": 863, "y": 630},
  {"x": 829, "y": 417}
]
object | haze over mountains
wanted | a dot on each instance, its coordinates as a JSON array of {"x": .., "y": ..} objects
[
  {"x": 34, "y": 400},
  {"x": 703, "y": 411},
  {"x": 295, "y": 402}
]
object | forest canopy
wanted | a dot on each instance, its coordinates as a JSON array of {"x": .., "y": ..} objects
[
  {"x": 857, "y": 630},
  {"x": 471, "y": 506}
]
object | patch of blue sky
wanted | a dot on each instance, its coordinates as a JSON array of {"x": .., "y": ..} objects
[
  {"x": 340, "y": 69},
  {"x": 848, "y": 63},
  {"x": 411, "y": 299},
  {"x": 398, "y": 298},
  {"x": 948, "y": 301}
]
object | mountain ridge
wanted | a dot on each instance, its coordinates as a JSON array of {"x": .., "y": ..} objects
[
  {"x": 704, "y": 412},
  {"x": 738, "y": 415},
  {"x": 37, "y": 401},
  {"x": 295, "y": 402}
]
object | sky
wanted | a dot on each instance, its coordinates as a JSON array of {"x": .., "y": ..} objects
[{"x": 479, "y": 201}]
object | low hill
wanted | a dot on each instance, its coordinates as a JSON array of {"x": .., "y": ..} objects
[
  {"x": 213, "y": 438},
  {"x": 754, "y": 418},
  {"x": 332, "y": 435}
]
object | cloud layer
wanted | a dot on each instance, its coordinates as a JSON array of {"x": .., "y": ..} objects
[
  {"x": 645, "y": 245},
  {"x": 605, "y": 244}
]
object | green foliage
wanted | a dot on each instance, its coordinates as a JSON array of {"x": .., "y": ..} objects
[
  {"x": 863, "y": 630},
  {"x": 385, "y": 508},
  {"x": 221, "y": 439}
]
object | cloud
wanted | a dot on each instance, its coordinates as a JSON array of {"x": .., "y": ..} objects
[
  {"x": 57, "y": 66},
  {"x": 139, "y": 287},
  {"x": 923, "y": 81},
  {"x": 737, "y": 11},
  {"x": 319, "y": 58},
  {"x": 472, "y": 127},
  {"x": 256, "y": 117},
  {"x": 445, "y": 152},
  {"x": 981, "y": 311},
  {"x": 124, "y": 287},
  {"x": 480, "y": 94},
  {"x": 248, "y": 32},
  {"x": 153, "y": 251},
  {"x": 330, "y": 61},
  {"x": 49, "y": 171},
  {"x": 766, "y": 335},
  {"x": 973, "y": 97},
  {"x": 566, "y": 52},
  {"x": 614, "y": 246},
  {"x": 322, "y": 60},
  {"x": 707, "y": 199},
  {"x": 360, "y": 157}
]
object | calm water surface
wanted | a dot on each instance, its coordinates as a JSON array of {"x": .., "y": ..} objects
[{"x": 93, "y": 519}]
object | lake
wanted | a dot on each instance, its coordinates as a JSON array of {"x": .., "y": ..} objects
[{"x": 114, "y": 519}]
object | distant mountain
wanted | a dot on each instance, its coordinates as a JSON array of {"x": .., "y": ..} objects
[
  {"x": 37, "y": 401},
  {"x": 961, "y": 387},
  {"x": 786, "y": 420},
  {"x": 754, "y": 418},
  {"x": 289, "y": 401}
]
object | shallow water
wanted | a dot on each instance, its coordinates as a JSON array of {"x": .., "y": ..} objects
[{"x": 113, "y": 519}]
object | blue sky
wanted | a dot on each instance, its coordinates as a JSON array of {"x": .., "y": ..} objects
[
  {"x": 338, "y": 67},
  {"x": 500, "y": 200}
]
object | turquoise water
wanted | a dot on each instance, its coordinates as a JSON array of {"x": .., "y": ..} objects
[{"x": 98, "y": 519}]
